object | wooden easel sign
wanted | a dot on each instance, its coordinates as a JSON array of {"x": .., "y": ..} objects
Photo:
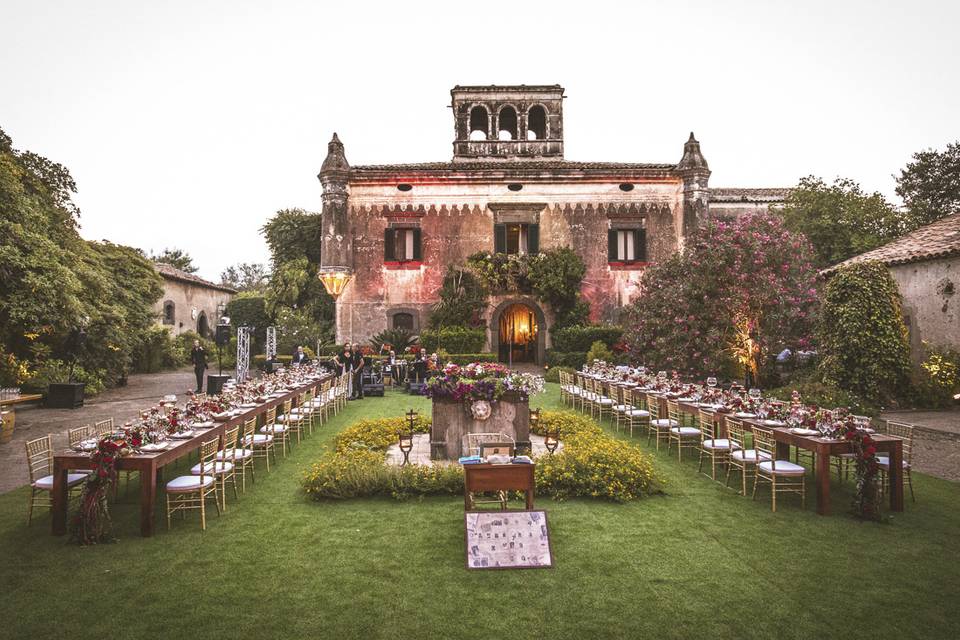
[{"x": 507, "y": 540}]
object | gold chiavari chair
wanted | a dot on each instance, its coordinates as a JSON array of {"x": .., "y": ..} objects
[
  {"x": 784, "y": 476},
  {"x": 242, "y": 456},
  {"x": 190, "y": 492},
  {"x": 564, "y": 388},
  {"x": 659, "y": 427},
  {"x": 639, "y": 415},
  {"x": 103, "y": 427},
  {"x": 575, "y": 389},
  {"x": 717, "y": 449},
  {"x": 224, "y": 465},
  {"x": 321, "y": 403},
  {"x": 279, "y": 431},
  {"x": 686, "y": 437},
  {"x": 40, "y": 469},
  {"x": 78, "y": 435},
  {"x": 621, "y": 405},
  {"x": 260, "y": 443},
  {"x": 904, "y": 432},
  {"x": 292, "y": 419},
  {"x": 742, "y": 459},
  {"x": 581, "y": 397}
]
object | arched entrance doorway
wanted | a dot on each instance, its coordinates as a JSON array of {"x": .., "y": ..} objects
[
  {"x": 202, "y": 327},
  {"x": 518, "y": 338}
]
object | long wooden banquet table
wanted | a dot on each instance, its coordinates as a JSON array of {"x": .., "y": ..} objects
[
  {"x": 150, "y": 465},
  {"x": 823, "y": 448}
]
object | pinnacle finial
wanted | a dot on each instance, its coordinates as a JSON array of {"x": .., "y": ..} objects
[
  {"x": 692, "y": 157},
  {"x": 335, "y": 160},
  {"x": 692, "y": 139}
]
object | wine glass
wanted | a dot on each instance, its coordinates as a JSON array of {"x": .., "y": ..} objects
[
  {"x": 712, "y": 382},
  {"x": 754, "y": 393}
]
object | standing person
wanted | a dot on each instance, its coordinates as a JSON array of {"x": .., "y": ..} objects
[
  {"x": 358, "y": 374},
  {"x": 344, "y": 361},
  {"x": 299, "y": 356},
  {"x": 198, "y": 356}
]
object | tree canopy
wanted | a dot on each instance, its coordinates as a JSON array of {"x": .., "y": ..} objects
[
  {"x": 930, "y": 184},
  {"x": 177, "y": 258},
  {"x": 53, "y": 282},
  {"x": 246, "y": 276},
  {"x": 840, "y": 220}
]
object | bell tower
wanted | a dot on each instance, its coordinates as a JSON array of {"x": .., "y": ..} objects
[{"x": 507, "y": 123}]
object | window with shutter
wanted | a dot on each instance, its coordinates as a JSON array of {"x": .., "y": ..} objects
[
  {"x": 389, "y": 245},
  {"x": 417, "y": 244},
  {"x": 500, "y": 238},
  {"x": 627, "y": 246},
  {"x": 533, "y": 239}
]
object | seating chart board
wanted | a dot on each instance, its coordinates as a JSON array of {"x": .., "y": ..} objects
[{"x": 507, "y": 540}]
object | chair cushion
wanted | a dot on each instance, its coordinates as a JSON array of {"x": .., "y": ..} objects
[
  {"x": 257, "y": 438},
  {"x": 783, "y": 468},
  {"x": 605, "y": 401},
  {"x": 749, "y": 455},
  {"x": 685, "y": 431},
  {"x": 720, "y": 443},
  {"x": 272, "y": 428},
  {"x": 73, "y": 479},
  {"x": 884, "y": 461},
  {"x": 640, "y": 413},
  {"x": 664, "y": 422},
  {"x": 621, "y": 408},
  {"x": 217, "y": 467},
  {"x": 238, "y": 454},
  {"x": 188, "y": 483}
]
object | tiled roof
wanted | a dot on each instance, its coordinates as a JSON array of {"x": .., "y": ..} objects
[
  {"x": 734, "y": 194},
  {"x": 507, "y": 165},
  {"x": 940, "y": 239},
  {"x": 172, "y": 273}
]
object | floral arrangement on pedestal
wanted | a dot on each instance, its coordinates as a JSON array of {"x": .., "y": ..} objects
[
  {"x": 480, "y": 382},
  {"x": 91, "y": 523}
]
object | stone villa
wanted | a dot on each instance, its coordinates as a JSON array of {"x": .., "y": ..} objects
[
  {"x": 508, "y": 189},
  {"x": 189, "y": 302}
]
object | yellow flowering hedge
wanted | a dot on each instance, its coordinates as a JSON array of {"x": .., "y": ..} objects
[{"x": 591, "y": 464}]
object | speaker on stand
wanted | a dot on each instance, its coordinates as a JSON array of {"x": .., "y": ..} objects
[{"x": 222, "y": 337}]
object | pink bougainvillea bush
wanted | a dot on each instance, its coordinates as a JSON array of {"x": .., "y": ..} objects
[{"x": 739, "y": 293}]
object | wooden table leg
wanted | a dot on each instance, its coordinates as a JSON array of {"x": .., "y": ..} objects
[
  {"x": 529, "y": 500},
  {"x": 148, "y": 499},
  {"x": 823, "y": 482},
  {"x": 895, "y": 475},
  {"x": 59, "y": 498}
]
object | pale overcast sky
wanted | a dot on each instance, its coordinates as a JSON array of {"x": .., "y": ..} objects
[{"x": 188, "y": 124}]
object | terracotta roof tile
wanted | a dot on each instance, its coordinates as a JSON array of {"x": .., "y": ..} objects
[
  {"x": 736, "y": 194},
  {"x": 172, "y": 273},
  {"x": 940, "y": 239},
  {"x": 508, "y": 165}
]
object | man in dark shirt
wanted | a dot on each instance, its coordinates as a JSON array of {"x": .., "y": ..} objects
[{"x": 199, "y": 358}]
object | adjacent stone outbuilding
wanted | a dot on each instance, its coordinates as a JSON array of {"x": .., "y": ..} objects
[
  {"x": 189, "y": 302},
  {"x": 926, "y": 266}
]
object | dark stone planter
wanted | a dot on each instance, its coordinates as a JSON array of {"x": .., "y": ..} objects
[
  {"x": 65, "y": 395},
  {"x": 452, "y": 421},
  {"x": 215, "y": 383}
]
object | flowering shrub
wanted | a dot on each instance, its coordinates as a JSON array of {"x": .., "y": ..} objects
[{"x": 739, "y": 293}]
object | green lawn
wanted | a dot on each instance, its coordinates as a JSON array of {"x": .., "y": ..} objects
[{"x": 699, "y": 561}]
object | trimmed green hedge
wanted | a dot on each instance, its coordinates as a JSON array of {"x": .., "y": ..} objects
[
  {"x": 453, "y": 339},
  {"x": 572, "y": 359},
  {"x": 467, "y": 358},
  {"x": 581, "y": 338}
]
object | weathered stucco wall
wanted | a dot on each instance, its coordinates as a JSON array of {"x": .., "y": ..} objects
[
  {"x": 931, "y": 296},
  {"x": 190, "y": 301},
  {"x": 457, "y": 220}
]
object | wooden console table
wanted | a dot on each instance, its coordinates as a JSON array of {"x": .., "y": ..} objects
[{"x": 497, "y": 477}]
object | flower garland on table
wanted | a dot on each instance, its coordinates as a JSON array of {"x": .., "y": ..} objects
[
  {"x": 91, "y": 524},
  {"x": 480, "y": 381}
]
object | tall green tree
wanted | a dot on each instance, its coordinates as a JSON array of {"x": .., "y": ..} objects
[
  {"x": 840, "y": 219},
  {"x": 295, "y": 297},
  {"x": 52, "y": 281},
  {"x": 246, "y": 276},
  {"x": 177, "y": 258},
  {"x": 930, "y": 184}
]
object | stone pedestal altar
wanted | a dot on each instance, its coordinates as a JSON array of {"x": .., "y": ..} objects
[{"x": 452, "y": 421}]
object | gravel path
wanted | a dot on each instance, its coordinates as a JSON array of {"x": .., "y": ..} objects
[{"x": 121, "y": 404}]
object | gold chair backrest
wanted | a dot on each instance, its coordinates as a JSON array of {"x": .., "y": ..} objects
[
  {"x": 286, "y": 407},
  {"x": 904, "y": 431},
  {"x": 208, "y": 456},
  {"x": 764, "y": 442},
  {"x": 270, "y": 416},
  {"x": 78, "y": 435},
  {"x": 708, "y": 425},
  {"x": 673, "y": 410},
  {"x": 103, "y": 427},
  {"x": 249, "y": 429},
  {"x": 230, "y": 443},
  {"x": 653, "y": 406},
  {"x": 39, "y": 457},
  {"x": 735, "y": 433}
]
